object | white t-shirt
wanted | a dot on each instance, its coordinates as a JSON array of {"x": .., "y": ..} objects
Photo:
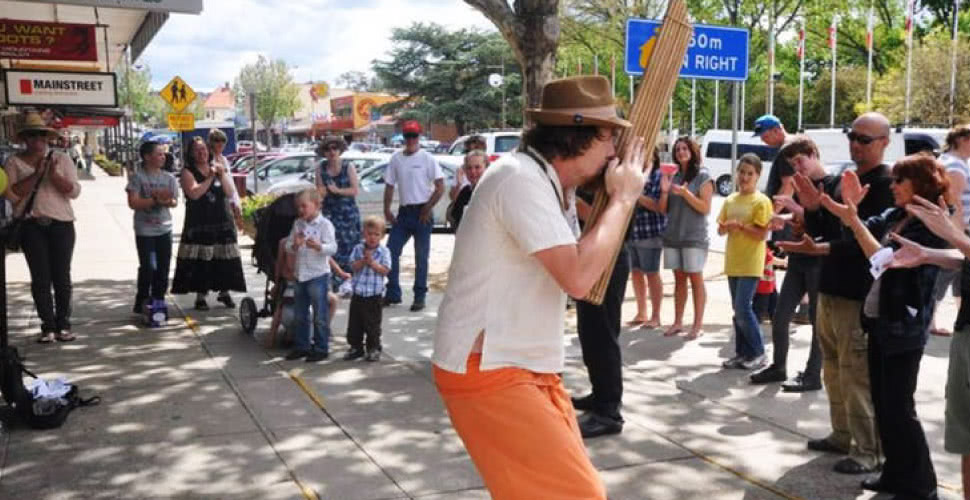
[
  {"x": 413, "y": 176},
  {"x": 495, "y": 283}
]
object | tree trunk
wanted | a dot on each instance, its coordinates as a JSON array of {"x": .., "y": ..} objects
[{"x": 532, "y": 30}]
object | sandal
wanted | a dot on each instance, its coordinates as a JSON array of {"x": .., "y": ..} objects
[
  {"x": 673, "y": 331},
  {"x": 65, "y": 336},
  {"x": 635, "y": 321},
  {"x": 46, "y": 338}
]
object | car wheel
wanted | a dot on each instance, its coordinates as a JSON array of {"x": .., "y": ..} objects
[{"x": 725, "y": 185}]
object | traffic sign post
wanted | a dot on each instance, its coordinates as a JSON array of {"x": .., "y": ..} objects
[
  {"x": 714, "y": 52},
  {"x": 180, "y": 122},
  {"x": 178, "y": 94}
]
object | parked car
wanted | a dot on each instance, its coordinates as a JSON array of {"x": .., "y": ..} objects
[
  {"x": 243, "y": 146},
  {"x": 370, "y": 197},
  {"x": 716, "y": 157},
  {"x": 277, "y": 170},
  {"x": 496, "y": 143},
  {"x": 243, "y": 162},
  {"x": 363, "y": 161}
]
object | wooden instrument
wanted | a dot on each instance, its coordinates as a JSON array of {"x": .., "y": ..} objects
[{"x": 664, "y": 55}]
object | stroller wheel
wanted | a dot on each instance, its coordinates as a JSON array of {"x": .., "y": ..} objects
[{"x": 247, "y": 315}]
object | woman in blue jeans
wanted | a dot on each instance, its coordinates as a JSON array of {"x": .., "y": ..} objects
[{"x": 744, "y": 218}]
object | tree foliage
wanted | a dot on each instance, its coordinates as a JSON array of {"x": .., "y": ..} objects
[
  {"x": 358, "y": 81},
  {"x": 444, "y": 75},
  {"x": 271, "y": 82}
]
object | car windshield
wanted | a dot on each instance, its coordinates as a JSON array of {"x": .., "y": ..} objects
[
  {"x": 374, "y": 177},
  {"x": 506, "y": 143}
]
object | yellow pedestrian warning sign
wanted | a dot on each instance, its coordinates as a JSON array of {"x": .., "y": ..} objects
[
  {"x": 178, "y": 94},
  {"x": 178, "y": 122}
]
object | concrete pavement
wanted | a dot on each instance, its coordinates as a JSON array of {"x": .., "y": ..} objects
[{"x": 198, "y": 410}]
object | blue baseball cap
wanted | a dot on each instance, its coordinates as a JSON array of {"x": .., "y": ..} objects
[{"x": 764, "y": 124}]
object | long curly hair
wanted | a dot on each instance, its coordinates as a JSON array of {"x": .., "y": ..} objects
[{"x": 694, "y": 163}]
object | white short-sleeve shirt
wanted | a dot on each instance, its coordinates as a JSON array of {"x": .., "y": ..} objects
[
  {"x": 495, "y": 283},
  {"x": 413, "y": 175}
]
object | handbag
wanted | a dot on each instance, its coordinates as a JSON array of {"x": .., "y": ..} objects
[{"x": 15, "y": 228}]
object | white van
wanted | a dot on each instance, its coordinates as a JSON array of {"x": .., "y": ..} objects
[{"x": 716, "y": 154}]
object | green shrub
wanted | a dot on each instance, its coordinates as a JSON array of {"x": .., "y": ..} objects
[{"x": 252, "y": 203}]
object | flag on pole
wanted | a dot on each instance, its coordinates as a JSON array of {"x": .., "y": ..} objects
[
  {"x": 909, "y": 20},
  {"x": 832, "y": 32},
  {"x": 801, "y": 41},
  {"x": 596, "y": 64},
  {"x": 869, "y": 28}
]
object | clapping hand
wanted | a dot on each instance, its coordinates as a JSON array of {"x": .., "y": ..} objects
[
  {"x": 846, "y": 212},
  {"x": 777, "y": 222},
  {"x": 809, "y": 196},
  {"x": 852, "y": 189},
  {"x": 806, "y": 246},
  {"x": 788, "y": 203},
  {"x": 936, "y": 218},
  {"x": 909, "y": 254},
  {"x": 677, "y": 189},
  {"x": 665, "y": 183},
  {"x": 730, "y": 225},
  {"x": 299, "y": 239}
]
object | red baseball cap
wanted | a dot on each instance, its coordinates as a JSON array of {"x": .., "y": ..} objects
[{"x": 411, "y": 127}]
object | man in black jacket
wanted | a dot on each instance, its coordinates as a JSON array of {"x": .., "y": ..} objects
[{"x": 844, "y": 283}]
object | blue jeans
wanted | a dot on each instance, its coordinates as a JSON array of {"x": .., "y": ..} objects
[
  {"x": 312, "y": 293},
  {"x": 408, "y": 225},
  {"x": 747, "y": 336}
]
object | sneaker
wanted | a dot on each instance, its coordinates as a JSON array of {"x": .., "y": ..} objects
[
  {"x": 354, "y": 353},
  {"x": 315, "y": 356},
  {"x": 374, "y": 355},
  {"x": 418, "y": 305},
  {"x": 773, "y": 373},
  {"x": 65, "y": 336},
  {"x": 295, "y": 354},
  {"x": 138, "y": 308},
  {"x": 755, "y": 362},
  {"x": 734, "y": 362},
  {"x": 390, "y": 302}
]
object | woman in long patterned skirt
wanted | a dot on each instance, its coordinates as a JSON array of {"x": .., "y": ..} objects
[{"x": 208, "y": 256}]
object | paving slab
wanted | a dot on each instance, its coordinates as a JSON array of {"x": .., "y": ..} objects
[{"x": 214, "y": 467}]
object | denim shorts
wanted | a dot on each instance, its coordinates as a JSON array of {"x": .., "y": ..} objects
[
  {"x": 644, "y": 258},
  {"x": 688, "y": 260}
]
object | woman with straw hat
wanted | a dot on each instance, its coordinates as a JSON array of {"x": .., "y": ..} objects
[{"x": 46, "y": 181}]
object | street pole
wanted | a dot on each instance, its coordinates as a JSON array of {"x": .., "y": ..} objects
[
  {"x": 833, "y": 42},
  {"x": 742, "y": 106},
  {"x": 717, "y": 103},
  {"x": 909, "y": 57},
  {"x": 869, "y": 43},
  {"x": 801, "y": 72},
  {"x": 631, "y": 90},
  {"x": 734, "y": 126},
  {"x": 953, "y": 62},
  {"x": 771, "y": 61},
  {"x": 252, "y": 121},
  {"x": 693, "y": 105},
  {"x": 504, "y": 123}
]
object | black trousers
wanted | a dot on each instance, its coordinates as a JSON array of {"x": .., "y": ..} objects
[
  {"x": 908, "y": 468},
  {"x": 365, "y": 320},
  {"x": 599, "y": 333},
  {"x": 154, "y": 257},
  {"x": 49, "y": 249}
]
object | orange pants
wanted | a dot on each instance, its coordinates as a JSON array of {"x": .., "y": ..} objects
[{"x": 520, "y": 429}]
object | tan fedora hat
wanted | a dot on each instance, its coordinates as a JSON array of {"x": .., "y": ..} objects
[
  {"x": 33, "y": 122},
  {"x": 578, "y": 101}
]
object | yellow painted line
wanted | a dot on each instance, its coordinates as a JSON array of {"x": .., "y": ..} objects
[
  {"x": 947, "y": 486},
  {"x": 193, "y": 325},
  {"x": 317, "y": 400}
]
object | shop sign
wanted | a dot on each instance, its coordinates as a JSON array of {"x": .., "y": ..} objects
[
  {"x": 60, "y": 88},
  {"x": 47, "y": 41}
]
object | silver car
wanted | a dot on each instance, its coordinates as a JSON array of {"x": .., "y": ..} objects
[{"x": 290, "y": 167}]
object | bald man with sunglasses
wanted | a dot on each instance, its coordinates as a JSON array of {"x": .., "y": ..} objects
[{"x": 844, "y": 283}]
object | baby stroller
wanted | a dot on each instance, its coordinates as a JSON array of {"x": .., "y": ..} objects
[{"x": 273, "y": 223}]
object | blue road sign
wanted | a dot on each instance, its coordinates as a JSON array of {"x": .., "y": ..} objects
[{"x": 714, "y": 52}]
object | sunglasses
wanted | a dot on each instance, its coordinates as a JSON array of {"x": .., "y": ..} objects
[
  {"x": 410, "y": 136},
  {"x": 33, "y": 134},
  {"x": 863, "y": 139},
  {"x": 332, "y": 147}
]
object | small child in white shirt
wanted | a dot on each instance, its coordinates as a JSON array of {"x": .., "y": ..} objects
[{"x": 312, "y": 241}]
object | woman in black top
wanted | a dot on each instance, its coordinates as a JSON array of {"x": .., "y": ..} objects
[
  {"x": 896, "y": 314},
  {"x": 208, "y": 256},
  {"x": 476, "y": 161}
]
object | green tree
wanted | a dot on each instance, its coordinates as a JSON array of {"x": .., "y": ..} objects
[
  {"x": 359, "y": 81},
  {"x": 134, "y": 91},
  {"x": 531, "y": 28},
  {"x": 445, "y": 76},
  {"x": 271, "y": 82}
]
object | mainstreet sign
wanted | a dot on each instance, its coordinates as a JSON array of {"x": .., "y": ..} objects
[
  {"x": 60, "y": 88},
  {"x": 714, "y": 52}
]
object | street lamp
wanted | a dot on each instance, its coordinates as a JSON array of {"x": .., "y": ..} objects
[{"x": 502, "y": 84}]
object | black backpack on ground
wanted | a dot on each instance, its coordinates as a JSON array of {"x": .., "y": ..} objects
[{"x": 45, "y": 413}]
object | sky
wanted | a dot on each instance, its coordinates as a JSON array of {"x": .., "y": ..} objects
[{"x": 320, "y": 38}]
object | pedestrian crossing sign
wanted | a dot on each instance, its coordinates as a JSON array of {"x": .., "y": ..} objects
[{"x": 178, "y": 94}]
